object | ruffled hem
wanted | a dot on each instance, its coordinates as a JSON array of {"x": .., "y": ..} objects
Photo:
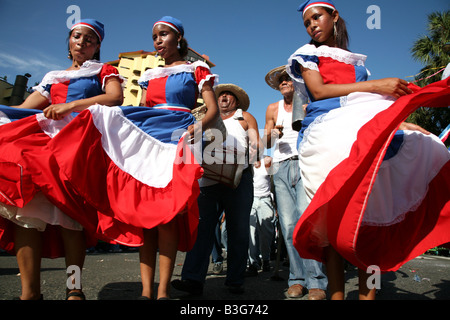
[
  {"x": 162, "y": 72},
  {"x": 123, "y": 81},
  {"x": 37, "y": 214},
  {"x": 307, "y": 50},
  {"x": 88, "y": 69},
  {"x": 337, "y": 54},
  {"x": 208, "y": 78},
  {"x": 52, "y": 242},
  {"x": 402, "y": 181}
]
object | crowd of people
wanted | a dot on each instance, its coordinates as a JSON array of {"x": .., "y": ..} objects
[{"x": 75, "y": 168}]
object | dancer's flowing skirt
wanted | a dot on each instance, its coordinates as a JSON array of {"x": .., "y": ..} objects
[
  {"x": 378, "y": 196},
  {"x": 110, "y": 171}
]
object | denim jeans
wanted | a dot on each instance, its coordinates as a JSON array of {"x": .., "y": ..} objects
[
  {"x": 262, "y": 230},
  {"x": 291, "y": 203},
  {"x": 236, "y": 203},
  {"x": 219, "y": 241}
]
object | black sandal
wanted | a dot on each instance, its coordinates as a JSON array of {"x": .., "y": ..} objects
[{"x": 74, "y": 293}]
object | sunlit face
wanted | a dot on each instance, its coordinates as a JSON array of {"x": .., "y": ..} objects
[
  {"x": 286, "y": 85},
  {"x": 83, "y": 43},
  {"x": 165, "y": 40},
  {"x": 227, "y": 101},
  {"x": 320, "y": 25}
]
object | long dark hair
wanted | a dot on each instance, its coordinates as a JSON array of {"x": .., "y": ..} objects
[
  {"x": 341, "y": 34},
  {"x": 96, "y": 55}
]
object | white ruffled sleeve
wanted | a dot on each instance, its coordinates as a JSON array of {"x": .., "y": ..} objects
[{"x": 203, "y": 74}]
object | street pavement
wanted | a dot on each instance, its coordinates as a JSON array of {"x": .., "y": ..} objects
[{"x": 115, "y": 276}]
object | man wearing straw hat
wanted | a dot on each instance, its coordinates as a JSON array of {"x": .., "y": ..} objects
[
  {"x": 216, "y": 197},
  {"x": 290, "y": 196}
]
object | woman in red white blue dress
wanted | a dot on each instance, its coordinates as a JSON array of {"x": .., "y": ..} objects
[
  {"x": 127, "y": 175},
  {"x": 31, "y": 229},
  {"x": 379, "y": 197},
  {"x": 176, "y": 87}
]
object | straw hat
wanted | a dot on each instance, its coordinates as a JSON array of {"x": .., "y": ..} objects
[
  {"x": 273, "y": 77},
  {"x": 241, "y": 95}
]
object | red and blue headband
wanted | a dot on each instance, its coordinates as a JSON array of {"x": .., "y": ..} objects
[
  {"x": 94, "y": 25},
  {"x": 171, "y": 22},
  {"x": 311, "y": 3}
]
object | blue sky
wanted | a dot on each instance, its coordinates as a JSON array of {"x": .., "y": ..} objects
[{"x": 244, "y": 38}]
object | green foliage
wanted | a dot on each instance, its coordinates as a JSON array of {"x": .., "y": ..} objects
[{"x": 433, "y": 50}]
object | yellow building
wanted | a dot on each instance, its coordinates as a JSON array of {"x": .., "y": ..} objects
[{"x": 132, "y": 65}]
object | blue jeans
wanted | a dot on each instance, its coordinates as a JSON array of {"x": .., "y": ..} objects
[
  {"x": 291, "y": 203},
  {"x": 262, "y": 229},
  {"x": 219, "y": 241},
  {"x": 236, "y": 203}
]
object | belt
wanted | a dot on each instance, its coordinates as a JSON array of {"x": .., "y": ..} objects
[
  {"x": 291, "y": 158},
  {"x": 262, "y": 197}
]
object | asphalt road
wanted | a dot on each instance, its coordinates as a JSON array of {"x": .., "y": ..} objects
[{"x": 115, "y": 276}]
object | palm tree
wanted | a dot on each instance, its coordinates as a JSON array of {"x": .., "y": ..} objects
[{"x": 433, "y": 50}]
